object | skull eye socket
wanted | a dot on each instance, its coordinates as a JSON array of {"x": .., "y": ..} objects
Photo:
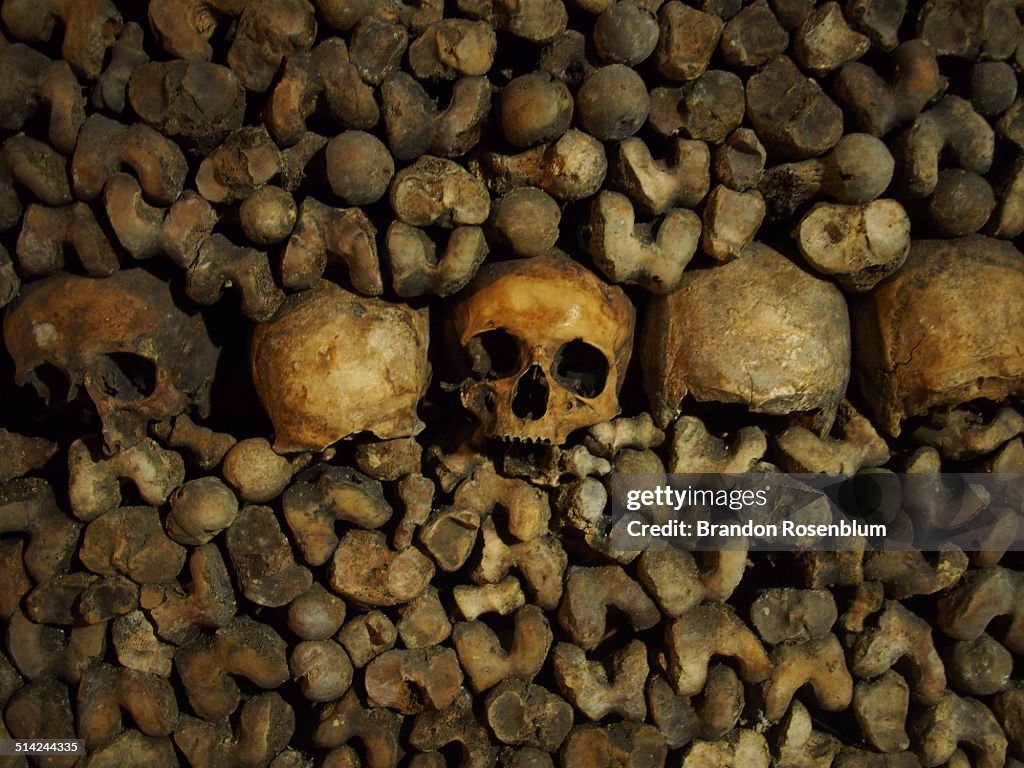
[
  {"x": 494, "y": 354},
  {"x": 126, "y": 376},
  {"x": 581, "y": 368}
]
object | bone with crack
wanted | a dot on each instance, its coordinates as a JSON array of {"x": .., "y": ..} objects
[
  {"x": 859, "y": 245},
  {"x": 731, "y": 221},
  {"x": 619, "y": 742},
  {"x": 144, "y": 230},
  {"x": 264, "y": 727},
  {"x": 209, "y": 600},
  {"x": 94, "y": 482},
  {"x": 374, "y": 385},
  {"x": 596, "y": 691},
  {"x": 627, "y": 252},
  {"x": 320, "y": 498},
  {"x": 414, "y": 124},
  {"x": 791, "y": 114},
  {"x": 47, "y": 232},
  {"x": 707, "y": 109},
  {"x": 795, "y": 742},
  {"x": 243, "y": 648},
  {"x": 196, "y": 101},
  {"x": 376, "y": 728},
  {"x": 986, "y": 362},
  {"x": 203, "y": 446},
  {"x": 367, "y": 636},
  {"x": 319, "y": 80},
  {"x": 688, "y": 38},
  {"x": 569, "y": 169},
  {"x": 898, "y": 633},
  {"x": 715, "y": 630},
  {"x": 753, "y": 36},
  {"x": 130, "y": 541},
  {"x": 31, "y": 80},
  {"x": 262, "y": 559},
  {"x": 682, "y": 719},
  {"x": 724, "y": 360}
]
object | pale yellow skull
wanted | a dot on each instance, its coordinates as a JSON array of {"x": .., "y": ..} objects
[
  {"x": 548, "y": 343},
  {"x": 332, "y": 363},
  {"x": 758, "y": 331},
  {"x": 945, "y": 329}
]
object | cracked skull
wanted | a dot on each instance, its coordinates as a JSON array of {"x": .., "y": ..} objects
[
  {"x": 548, "y": 343},
  {"x": 138, "y": 355},
  {"x": 332, "y": 363},
  {"x": 758, "y": 331},
  {"x": 944, "y": 330}
]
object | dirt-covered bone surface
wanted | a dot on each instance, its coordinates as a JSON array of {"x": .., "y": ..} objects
[{"x": 327, "y": 324}]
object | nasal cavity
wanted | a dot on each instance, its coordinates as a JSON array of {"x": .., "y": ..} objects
[{"x": 530, "y": 399}]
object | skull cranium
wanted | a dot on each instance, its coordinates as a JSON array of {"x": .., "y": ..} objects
[
  {"x": 137, "y": 354},
  {"x": 548, "y": 343},
  {"x": 945, "y": 329},
  {"x": 332, "y": 363},
  {"x": 758, "y": 331}
]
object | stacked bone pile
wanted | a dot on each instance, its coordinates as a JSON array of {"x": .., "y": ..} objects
[{"x": 326, "y": 325}]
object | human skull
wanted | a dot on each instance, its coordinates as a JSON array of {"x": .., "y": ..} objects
[
  {"x": 332, "y": 363},
  {"x": 757, "y": 331},
  {"x": 947, "y": 328},
  {"x": 548, "y": 343},
  {"x": 138, "y": 355}
]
